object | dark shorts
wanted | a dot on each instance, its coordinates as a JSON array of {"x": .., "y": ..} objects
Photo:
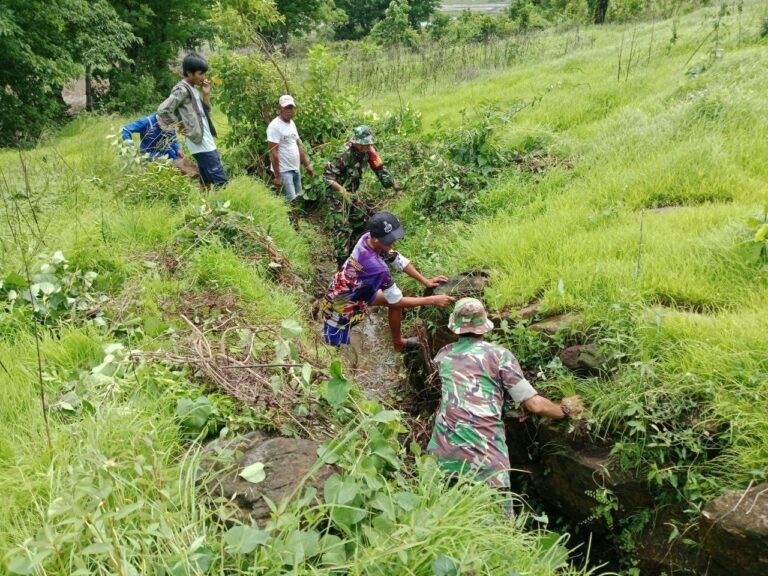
[
  {"x": 336, "y": 336},
  {"x": 211, "y": 169}
]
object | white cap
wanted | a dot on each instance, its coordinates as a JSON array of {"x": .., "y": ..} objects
[{"x": 286, "y": 100}]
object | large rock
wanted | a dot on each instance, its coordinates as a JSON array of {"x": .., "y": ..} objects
[
  {"x": 734, "y": 533},
  {"x": 554, "y": 324},
  {"x": 583, "y": 359},
  {"x": 286, "y": 462},
  {"x": 571, "y": 474}
]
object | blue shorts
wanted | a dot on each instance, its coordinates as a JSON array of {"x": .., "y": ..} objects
[
  {"x": 211, "y": 169},
  {"x": 336, "y": 336},
  {"x": 291, "y": 184}
]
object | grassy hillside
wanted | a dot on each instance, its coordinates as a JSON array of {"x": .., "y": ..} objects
[
  {"x": 648, "y": 148},
  {"x": 638, "y": 223},
  {"x": 122, "y": 287}
]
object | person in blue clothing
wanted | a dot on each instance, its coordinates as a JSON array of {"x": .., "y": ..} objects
[
  {"x": 158, "y": 143},
  {"x": 153, "y": 140}
]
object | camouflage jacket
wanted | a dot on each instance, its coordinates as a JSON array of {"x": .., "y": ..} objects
[
  {"x": 180, "y": 110},
  {"x": 349, "y": 166},
  {"x": 468, "y": 436}
]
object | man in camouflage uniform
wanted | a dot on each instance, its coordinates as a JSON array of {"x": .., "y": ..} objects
[
  {"x": 346, "y": 218},
  {"x": 476, "y": 375}
]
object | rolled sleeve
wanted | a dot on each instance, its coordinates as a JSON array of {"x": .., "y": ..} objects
[
  {"x": 393, "y": 294},
  {"x": 513, "y": 380}
]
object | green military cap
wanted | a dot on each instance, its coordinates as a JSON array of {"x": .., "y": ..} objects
[
  {"x": 362, "y": 135},
  {"x": 469, "y": 317}
]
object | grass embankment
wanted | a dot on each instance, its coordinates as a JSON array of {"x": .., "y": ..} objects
[
  {"x": 114, "y": 492},
  {"x": 645, "y": 236}
]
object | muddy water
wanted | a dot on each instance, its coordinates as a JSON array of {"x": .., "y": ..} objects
[{"x": 372, "y": 361}]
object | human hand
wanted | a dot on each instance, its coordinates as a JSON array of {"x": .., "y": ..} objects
[
  {"x": 574, "y": 404},
  {"x": 434, "y": 282},
  {"x": 181, "y": 155},
  {"x": 278, "y": 181},
  {"x": 442, "y": 300},
  {"x": 205, "y": 87},
  {"x": 311, "y": 171}
]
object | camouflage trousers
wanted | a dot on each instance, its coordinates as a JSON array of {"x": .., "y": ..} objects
[{"x": 346, "y": 221}]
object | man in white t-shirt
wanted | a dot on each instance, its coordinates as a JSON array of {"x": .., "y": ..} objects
[{"x": 286, "y": 152}]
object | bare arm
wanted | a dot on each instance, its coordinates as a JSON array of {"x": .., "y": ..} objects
[
  {"x": 426, "y": 282},
  {"x": 544, "y": 407},
  {"x": 275, "y": 159},
  {"x": 304, "y": 159},
  {"x": 440, "y": 301}
]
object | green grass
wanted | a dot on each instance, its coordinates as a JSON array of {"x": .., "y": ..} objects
[
  {"x": 650, "y": 219},
  {"x": 675, "y": 289}
]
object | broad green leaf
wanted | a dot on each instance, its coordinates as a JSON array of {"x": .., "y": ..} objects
[
  {"x": 194, "y": 415},
  {"x": 333, "y": 550},
  {"x": 762, "y": 233},
  {"x": 254, "y": 473},
  {"x": 346, "y": 517},
  {"x": 59, "y": 506},
  {"x": 386, "y": 416},
  {"x": 97, "y": 548},
  {"x": 337, "y": 390},
  {"x": 335, "y": 369},
  {"x": 290, "y": 329},
  {"x": 406, "y": 500},
  {"x": 13, "y": 280},
  {"x": 306, "y": 373},
  {"x": 244, "y": 539},
  {"x": 444, "y": 566}
]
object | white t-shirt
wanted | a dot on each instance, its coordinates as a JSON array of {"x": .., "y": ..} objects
[
  {"x": 207, "y": 145},
  {"x": 286, "y": 136}
]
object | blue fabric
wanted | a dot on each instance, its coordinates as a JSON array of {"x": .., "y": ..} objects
[
  {"x": 291, "y": 184},
  {"x": 336, "y": 336},
  {"x": 211, "y": 169},
  {"x": 152, "y": 139}
]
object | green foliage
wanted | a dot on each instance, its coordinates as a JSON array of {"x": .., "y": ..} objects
[
  {"x": 38, "y": 62},
  {"x": 760, "y": 238},
  {"x": 461, "y": 163},
  {"x": 57, "y": 292},
  {"x": 164, "y": 28},
  {"x": 394, "y": 27},
  {"x": 249, "y": 87},
  {"x": 323, "y": 109},
  {"x": 148, "y": 181}
]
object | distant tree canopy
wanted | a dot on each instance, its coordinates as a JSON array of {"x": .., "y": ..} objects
[{"x": 362, "y": 15}]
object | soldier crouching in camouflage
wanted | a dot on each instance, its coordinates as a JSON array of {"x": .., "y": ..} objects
[
  {"x": 468, "y": 437},
  {"x": 345, "y": 218}
]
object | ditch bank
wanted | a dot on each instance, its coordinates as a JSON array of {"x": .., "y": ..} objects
[{"x": 560, "y": 469}]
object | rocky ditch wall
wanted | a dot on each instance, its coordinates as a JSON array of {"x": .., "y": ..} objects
[{"x": 568, "y": 473}]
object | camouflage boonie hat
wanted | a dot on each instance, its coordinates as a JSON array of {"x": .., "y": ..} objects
[
  {"x": 469, "y": 317},
  {"x": 362, "y": 135}
]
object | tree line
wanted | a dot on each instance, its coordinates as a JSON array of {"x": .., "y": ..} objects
[{"x": 126, "y": 49}]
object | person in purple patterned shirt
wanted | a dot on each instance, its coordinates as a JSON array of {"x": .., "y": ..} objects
[{"x": 364, "y": 280}]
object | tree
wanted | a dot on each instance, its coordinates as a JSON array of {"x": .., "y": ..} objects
[
  {"x": 164, "y": 27},
  {"x": 302, "y": 17},
  {"x": 99, "y": 40},
  {"x": 394, "y": 28},
  {"x": 422, "y": 11},
  {"x": 362, "y": 15},
  {"x": 36, "y": 64}
]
